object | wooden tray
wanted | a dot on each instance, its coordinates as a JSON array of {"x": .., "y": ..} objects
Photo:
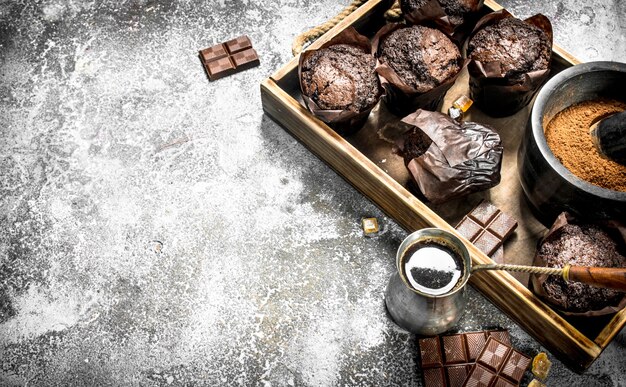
[{"x": 367, "y": 162}]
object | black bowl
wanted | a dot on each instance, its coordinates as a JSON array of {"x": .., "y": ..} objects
[{"x": 548, "y": 185}]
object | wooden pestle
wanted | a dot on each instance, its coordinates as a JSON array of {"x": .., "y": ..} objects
[
  {"x": 602, "y": 277},
  {"x": 609, "y": 137}
]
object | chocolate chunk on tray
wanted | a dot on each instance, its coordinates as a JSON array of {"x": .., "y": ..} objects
[{"x": 487, "y": 228}]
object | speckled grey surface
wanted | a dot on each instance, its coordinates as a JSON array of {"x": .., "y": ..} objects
[{"x": 158, "y": 229}]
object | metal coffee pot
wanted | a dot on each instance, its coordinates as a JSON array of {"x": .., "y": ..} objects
[{"x": 418, "y": 311}]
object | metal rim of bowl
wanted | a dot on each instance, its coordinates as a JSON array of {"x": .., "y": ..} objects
[
  {"x": 539, "y": 131},
  {"x": 434, "y": 232}
]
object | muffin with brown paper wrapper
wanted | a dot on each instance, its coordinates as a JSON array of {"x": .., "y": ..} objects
[
  {"x": 569, "y": 241},
  {"x": 455, "y": 18},
  {"x": 338, "y": 81},
  {"x": 416, "y": 65},
  {"x": 447, "y": 159},
  {"x": 509, "y": 60}
]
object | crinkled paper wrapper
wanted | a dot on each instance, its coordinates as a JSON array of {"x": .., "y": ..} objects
[
  {"x": 536, "y": 281},
  {"x": 343, "y": 121},
  {"x": 400, "y": 98},
  {"x": 463, "y": 158},
  {"x": 496, "y": 94},
  {"x": 431, "y": 12}
]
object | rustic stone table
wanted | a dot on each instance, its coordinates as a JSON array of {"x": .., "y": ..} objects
[{"x": 158, "y": 229}]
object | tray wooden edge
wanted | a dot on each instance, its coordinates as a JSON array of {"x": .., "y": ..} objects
[{"x": 611, "y": 329}]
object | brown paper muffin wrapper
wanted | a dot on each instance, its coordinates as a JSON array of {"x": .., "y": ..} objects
[
  {"x": 400, "y": 98},
  {"x": 432, "y": 13},
  {"x": 346, "y": 121},
  {"x": 536, "y": 281},
  {"x": 462, "y": 158},
  {"x": 494, "y": 93}
]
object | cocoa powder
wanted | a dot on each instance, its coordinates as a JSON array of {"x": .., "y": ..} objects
[{"x": 568, "y": 137}]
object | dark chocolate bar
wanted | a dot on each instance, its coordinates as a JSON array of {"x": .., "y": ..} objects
[
  {"x": 446, "y": 360},
  {"x": 228, "y": 58},
  {"x": 487, "y": 228},
  {"x": 497, "y": 365}
]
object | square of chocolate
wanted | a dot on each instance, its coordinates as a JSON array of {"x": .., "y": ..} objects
[
  {"x": 220, "y": 68},
  {"x": 430, "y": 352},
  {"x": 240, "y": 43},
  {"x": 487, "y": 242},
  {"x": 434, "y": 377},
  {"x": 484, "y": 213},
  {"x": 515, "y": 366},
  {"x": 475, "y": 343},
  {"x": 479, "y": 377},
  {"x": 500, "y": 335},
  {"x": 454, "y": 349},
  {"x": 502, "y": 226},
  {"x": 468, "y": 228},
  {"x": 213, "y": 53},
  {"x": 457, "y": 374},
  {"x": 245, "y": 59},
  {"x": 493, "y": 354}
]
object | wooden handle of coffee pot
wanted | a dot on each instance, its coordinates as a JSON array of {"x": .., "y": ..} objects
[{"x": 603, "y": 277}]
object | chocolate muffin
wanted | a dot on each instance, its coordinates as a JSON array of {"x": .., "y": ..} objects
[
  {"x": 447, "y": 159},
  {"x": 456, "y": 10},
  {"x": 580, "y": 245},
  {"x": 341, "y": 77},
  {"x": 422, "y": 57},
  {"x": 520, "y": 47}
]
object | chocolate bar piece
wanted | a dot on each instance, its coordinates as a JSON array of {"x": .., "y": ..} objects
[
  {"x": 446, "y": 360},
  {"x": 487, "y": 228},
  {"x": 228, "y": 58},
  {"x": 497, "y": 365}
]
